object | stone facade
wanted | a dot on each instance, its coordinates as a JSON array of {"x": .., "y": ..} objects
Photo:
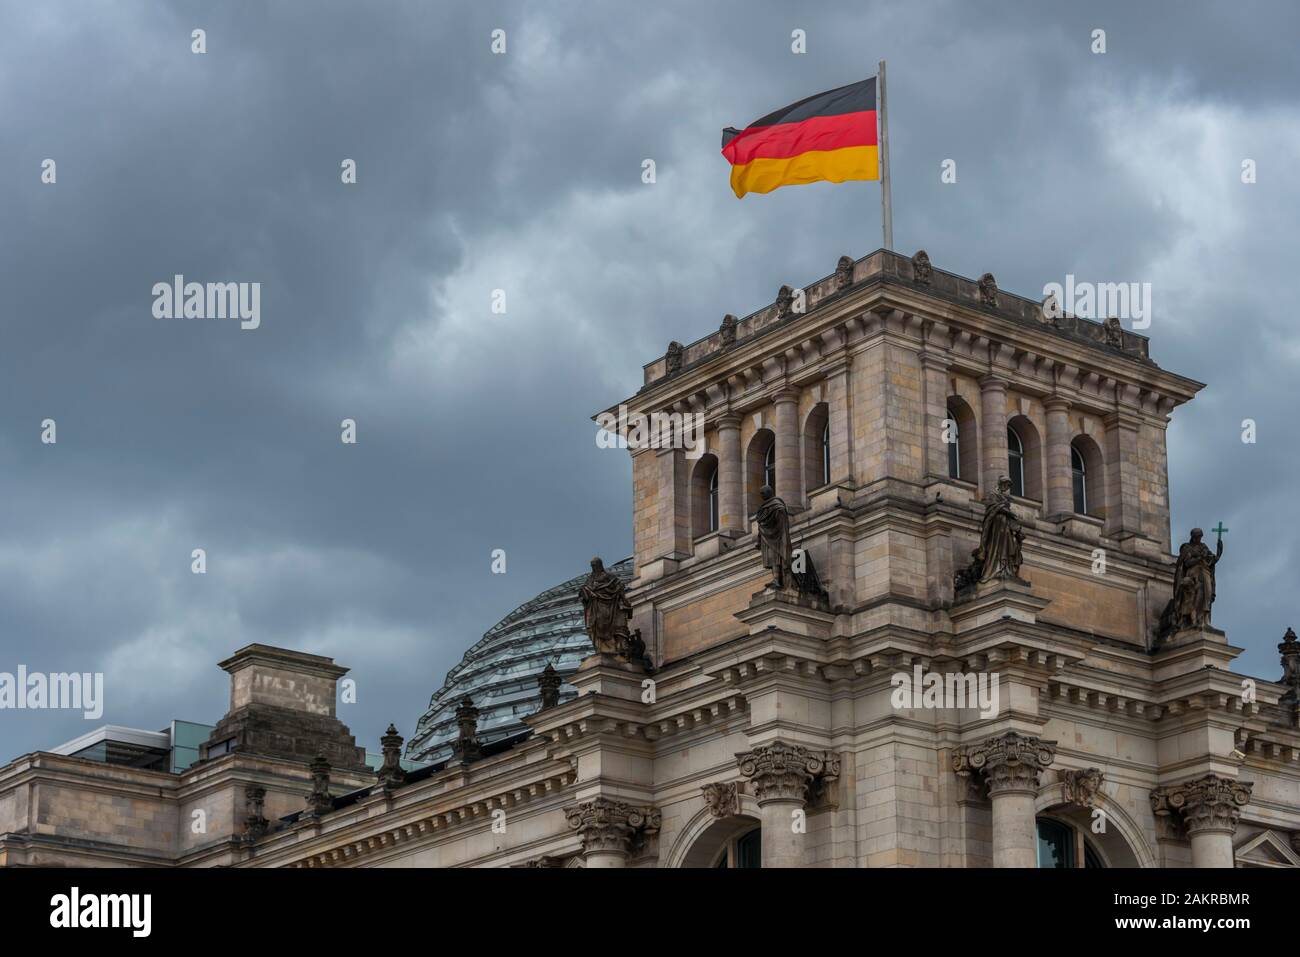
[{"x": 768, "y": 712}]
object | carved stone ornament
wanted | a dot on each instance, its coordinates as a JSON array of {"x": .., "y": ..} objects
[
  {"x": 784, "y": 300},
  {"x": 844, "y": 272},
  {"x": 391, "y": 775},
  {"x": 466, "y": 746},
  {"x": 988, "y": 290},
  {"x": 788, "y": 772},
  {"x": 728, "y": 329},
  {"x": 605, "y": 825},
  {"x": 722, "y": 799},
  {"x": 1009, "y": 763},
  {"x": 1211, "y": 803},
  {"x": 922, "y": 271},
  {"x": 255, "y": 822},
  {"x": 548, "y": 682},
  {"x": 319, "y": 801},
  {"x": 1081, "y": 787},
  {"x": 674, "y": 357},
  {"x": 1290, "y": 650},
  {"x": 1114, "y": 332}
]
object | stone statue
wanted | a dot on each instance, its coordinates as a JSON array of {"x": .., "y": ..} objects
[
  {"x": 605, "y": 610},
  {"x": 773, "y": 520},
  {"x": 1193, "y": 586},
  {"x": 1000, "y": 536}
]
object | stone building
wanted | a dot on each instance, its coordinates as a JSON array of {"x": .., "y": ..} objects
[{"x": 884, "y": 404}]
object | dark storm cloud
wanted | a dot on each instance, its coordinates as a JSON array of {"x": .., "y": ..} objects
[{"x": 522, "y": 172}]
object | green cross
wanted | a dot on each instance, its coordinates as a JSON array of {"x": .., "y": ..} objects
[{"x": 1220, "y": 530}]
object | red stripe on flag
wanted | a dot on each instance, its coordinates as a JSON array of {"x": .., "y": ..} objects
[{"x": 784, "y": 140}]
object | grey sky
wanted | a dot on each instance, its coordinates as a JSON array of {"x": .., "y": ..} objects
[{"x": 523, "y": 172}]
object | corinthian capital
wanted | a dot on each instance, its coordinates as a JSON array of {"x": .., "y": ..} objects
[
  {"x": 1009, "y": 763},
  {"x": 1211, "y": 803},
  {"x": 612, "y": 826},
  {"x": 787, "y": 772}
]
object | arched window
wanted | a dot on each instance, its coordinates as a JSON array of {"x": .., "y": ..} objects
[
  {"x": 826, "y": 454},
  {"x": 1063, "y": 846},
  {"x": 817, "y": 447},
  {"x": 704, "y": 496},
  {"x": 745, "y": 851},
  {"x": 959, "y": 435},
  {"x": 1015, "y": 462},
  {"x": 1079, "y": 476},
  {"x": 713, "y": 500},
  {"x": 1087, "y": 477},
  {"x": 760, "y": 468}
]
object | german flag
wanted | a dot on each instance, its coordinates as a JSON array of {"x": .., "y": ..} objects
[{"x": 830, "y": 136}]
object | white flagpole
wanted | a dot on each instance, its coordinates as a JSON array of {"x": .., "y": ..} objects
[{"x": 886, "y": 207}]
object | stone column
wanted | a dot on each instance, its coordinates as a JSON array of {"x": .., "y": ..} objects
[
  {"x": 789, "y": 473},
  {"x": 731, "y": 485},
  {"x": 781, "y": 776},
  {"x": 992, "y": 433},
  {"x": 1060, "y": 473},
  {"x": 1209, "y": 809},
  {"x": 1123, "y": 499},
  {"x": 611, "y": 831},
  {"x": 841, "y": 416},
  {"x": 1010, "y": 764},
  {"x": 674, "y": 504},
  {"x": 934, "y": 368}
]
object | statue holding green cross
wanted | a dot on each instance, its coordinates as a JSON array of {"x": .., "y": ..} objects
[{"x": 1194, "y": 585}]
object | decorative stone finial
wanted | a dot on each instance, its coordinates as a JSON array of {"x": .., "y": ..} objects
[
  {"x": 391, "y": 775},
  {"x": 255, "y": 822},
  {"x": 549, "y": 684},
  {"x": 728, "y": 329},
  {"x": 988, "y": 290},
  {"x": 319, "y": 801},
  {"x": 466, "y": 747},
  {"x": 922, "y": 271},
  {"x": 1290, "y": 649}
]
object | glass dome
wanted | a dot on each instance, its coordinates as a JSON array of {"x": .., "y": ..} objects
[{"x": 500, "y": 672}]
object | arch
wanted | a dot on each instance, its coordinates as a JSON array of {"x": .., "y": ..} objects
[
  {"x": 1088, "y": 480},
  {"x": 816, "y": 448},
  {"x": 704, "y": 496},
  {"x": 703, "y": 836},
  {"x": 1122, "y": 844},
  {"x": 1031, "y": 457},
  {"x": 760, "y": 459},
  {"x": 963, "y": 454}
]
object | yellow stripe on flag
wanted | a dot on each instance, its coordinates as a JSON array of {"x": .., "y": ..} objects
[{"x": 834, "y": 166}]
